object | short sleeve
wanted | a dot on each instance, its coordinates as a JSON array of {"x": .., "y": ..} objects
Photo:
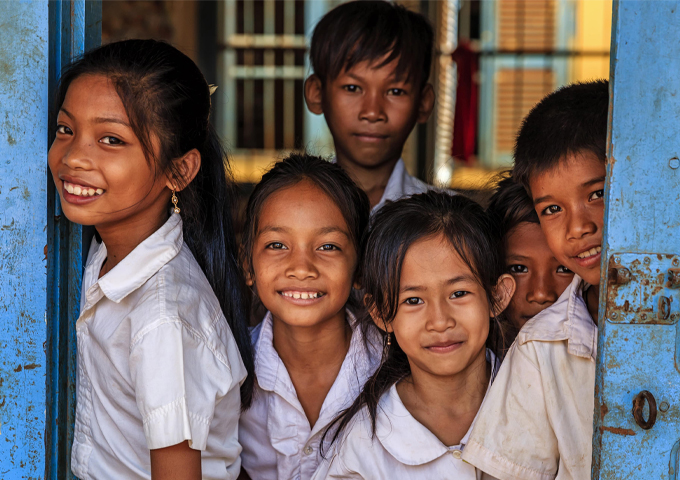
[
  {"x": 178, "y": 377},
  {"x": 513, "y": 438}
]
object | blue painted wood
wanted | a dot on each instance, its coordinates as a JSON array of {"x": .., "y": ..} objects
[
  {"x": 639, "y": 351},
  {"x": 75, "y": 27},
  {"x": 23, "y": 196}
]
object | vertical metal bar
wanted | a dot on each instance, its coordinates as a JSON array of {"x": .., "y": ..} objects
[
  {"x": 443, "y": 165},
  {"x": 24, "y": 56},
  {"x": 289, "y": 85},
  {"x": 268, "y": 92},
  {"x": 75, "y": 26},
  {"x": 248, "y": 83},
  {"x": 228, "y": 106}
]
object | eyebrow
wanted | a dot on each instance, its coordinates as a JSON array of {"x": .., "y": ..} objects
[
  {"x": 517, "y": 257},
  {"x": 585, "y": 184},
  {"x": 451, "y": 281},
  {"x": 99, "y": 119},
  {"x": 320, "y": 231}
]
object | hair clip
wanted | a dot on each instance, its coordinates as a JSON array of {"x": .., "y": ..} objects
[{"x": 212, "y": 88}]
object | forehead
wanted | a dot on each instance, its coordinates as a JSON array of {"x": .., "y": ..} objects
[
  {"x": 526, "y": 239},
  {"x": 93, "y": 95},
  {"x": 570, "y": 175},
  {"x": 431, "y": 260},
  {"x": 302, "y": 206},
  {"x": 376, "y": 70}
]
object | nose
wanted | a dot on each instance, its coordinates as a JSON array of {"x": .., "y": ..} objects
[
  {"x": 372, "y": 108},
  {"x": 301, "y": 265},
  {"x": 440, "y": 317},
  {"x": 579, "y": 224},
  {"x": 542, "y": 289},
  {"x": 77, "y": 155}
]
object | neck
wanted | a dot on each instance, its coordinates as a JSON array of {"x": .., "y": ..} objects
[
  {"x": 315, "y": 347},
  {"x": 371, "y": 180},
  {"x": 453, "y": 396},
  {"x": 121, "y": 238}
]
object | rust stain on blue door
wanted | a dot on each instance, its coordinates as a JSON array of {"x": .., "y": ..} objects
[
  {"x": 637, "y": 414},
  {"x": 23, "y": 237}
]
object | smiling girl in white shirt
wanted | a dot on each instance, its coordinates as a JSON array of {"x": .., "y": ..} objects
[
  {"x": 302, "y": 243},
  {"x": 435, "y": 285},
  {"x": 162, "y": 312}
]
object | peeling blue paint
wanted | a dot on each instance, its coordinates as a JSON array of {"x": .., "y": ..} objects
[
  {"x": 639, "y": 332},
  {"x": 23, "y": 147}
]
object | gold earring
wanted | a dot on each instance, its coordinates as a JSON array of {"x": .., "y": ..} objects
[
  {"x": 174, "y": 200},
  {"x": 386, "y": 346},
  {"x": 389, "y": 339}
]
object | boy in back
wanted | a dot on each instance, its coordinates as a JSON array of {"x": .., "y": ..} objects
[
  {"x": 371, "y": 62},
  {"x": 537, "y": 421}
]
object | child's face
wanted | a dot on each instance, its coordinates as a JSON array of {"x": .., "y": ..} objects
[
  {"x": 371, "y": 113},
  {"x": 303, "y": 256},
  {"x": 442, "y": 322},
  {"x": 569, "y": 200},
  {"x": 97, "y": 162},
  {"x": 539, "y": 277}
]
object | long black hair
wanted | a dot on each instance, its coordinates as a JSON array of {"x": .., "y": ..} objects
[
  {"x": 329, "y": 177},
  {"x": 167, "y": 99},
  {"x": 394, "y": 228}
]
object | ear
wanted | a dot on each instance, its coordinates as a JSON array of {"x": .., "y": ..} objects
[
  {"x": 187, "y": 167},
  {"x": 314, "y": 94},
  {"x": 426, "y": 103},
  {"x": 377, "y": 319},
  {"x": 503, "y": 292}
]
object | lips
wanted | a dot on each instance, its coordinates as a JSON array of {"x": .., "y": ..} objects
[
  {"x": 445, "y": 346},
  {"x": 371, "y": 137},
  {"x": 589, "y": 257}
]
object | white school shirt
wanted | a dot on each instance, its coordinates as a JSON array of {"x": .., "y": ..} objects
[
  {"x": 157, "y": 364},
  {"x": 401, "y": 448},
  {"x": 277, "y": 440},
  {"x": 399, "y": 185},
  {"x": 537, "y": 421}
]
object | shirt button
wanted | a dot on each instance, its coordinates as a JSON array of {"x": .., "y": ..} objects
[
  {"x": 308, "y": 450},
  {"x": 456, "y": 453}
]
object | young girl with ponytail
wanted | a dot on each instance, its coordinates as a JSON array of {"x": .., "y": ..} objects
[
  {"x": 163, "y": 345},
  {"x": 435, "y": 285}
]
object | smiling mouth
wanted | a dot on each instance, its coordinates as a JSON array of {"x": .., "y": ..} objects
[
  {"x": 444, "y": 347},
  {"x": 589, "y": 253},
  {"x": 82, "y": 190},
  {"x": 299, "y": 295}
]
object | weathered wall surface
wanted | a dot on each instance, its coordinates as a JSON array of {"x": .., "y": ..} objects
[{"x": 23, "y": 161}]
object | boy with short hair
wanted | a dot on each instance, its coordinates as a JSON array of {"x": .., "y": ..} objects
[
  {"x": 537, "y": 421},
  {"x": 371, "y": 62}
]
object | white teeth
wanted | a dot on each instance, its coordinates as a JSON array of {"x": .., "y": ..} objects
[
  {"x": 590, "y": 253},
  {"x": 301, "y": 295},
  {"x": 82, "y": 191}
]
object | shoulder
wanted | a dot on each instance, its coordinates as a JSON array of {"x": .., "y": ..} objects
[
  {"x": 356, "y": 440},
  {"x": 413, "y": 185}
]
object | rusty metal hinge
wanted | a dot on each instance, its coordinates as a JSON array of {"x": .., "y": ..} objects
[{"x": 643, "y": 288}]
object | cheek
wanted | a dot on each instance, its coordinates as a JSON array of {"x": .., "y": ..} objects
[{"x": 554, "y": 237}]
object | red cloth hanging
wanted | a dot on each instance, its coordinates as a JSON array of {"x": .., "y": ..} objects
[{"x": 467, "y": 94}]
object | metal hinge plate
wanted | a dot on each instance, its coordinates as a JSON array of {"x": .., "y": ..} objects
[{"x": 643, "y": 288}]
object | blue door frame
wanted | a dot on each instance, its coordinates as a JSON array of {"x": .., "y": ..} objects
[{"x": 637, "y": 399}]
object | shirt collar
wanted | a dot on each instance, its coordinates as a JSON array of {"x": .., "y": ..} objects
[
  {"x": 576, "y": 327},
  {"x": 395, "y": 187},
  {"x": 142, "y": 263},
  {"x": 408, "y": 440}
]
